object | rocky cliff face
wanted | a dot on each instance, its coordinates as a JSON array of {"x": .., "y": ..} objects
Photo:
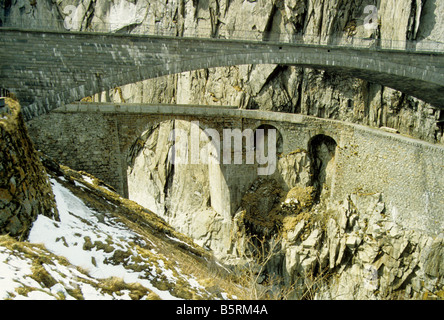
[
  {"x": 353, "y": 251},
  {"x": 290, "y": 229}
]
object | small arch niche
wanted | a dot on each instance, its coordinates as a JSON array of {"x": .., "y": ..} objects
[{"x": 322, "y": 150}]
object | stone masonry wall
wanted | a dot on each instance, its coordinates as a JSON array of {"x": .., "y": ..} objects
[
  {"x": 25, "y": 191},
  {"x": 82, "y": 142},
  {"x": 96, "y": 60},
  {"x": 99, "y": 142}
]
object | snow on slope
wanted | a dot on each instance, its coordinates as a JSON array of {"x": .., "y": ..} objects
[{"x": 90, "y": 240}]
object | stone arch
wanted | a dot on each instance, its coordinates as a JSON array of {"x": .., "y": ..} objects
[
  {"x": 92, "y": 75},
  {"x": 279, "y": 137},
  {"x": 162, "y": 165},
  {"x": 322, "y": 150},
  {"x": 264, "y": 139}
]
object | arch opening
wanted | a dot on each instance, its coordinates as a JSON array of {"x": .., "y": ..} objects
[
  {"x": 171, "y": 169},
  {"x": 279, "y": 145},
  {"x": 322, "y": 150}
]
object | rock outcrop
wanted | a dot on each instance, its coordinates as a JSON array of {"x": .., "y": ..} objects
[
  {"x": 348, "y": 249},
  {"x": 25, "y": 191},
  {"x": 370, "y": 256}
]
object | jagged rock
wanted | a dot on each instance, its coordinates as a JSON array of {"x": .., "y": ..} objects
[
  {"x": 370, "y": 261},
  {"x": 295, "y": 169},
  {"x": 370, "y": 275},
  {"x": 25, "y": 191},
  {"x": 353, "y": 241},
  {"x": 434, "y": 261},
  {"x": 292, "y": 261},
  {"x": 293, "y": 234},
  {"x": 333, "y": 241},
  {"x": 396, "y": 247},
  {"x": 313, "y": 239},
  {"x": 342, "y": 221},
  {"x": 308, "y": 265},
  {"x": 367, "y": 252},
  {"x": 342, "y": 246}
]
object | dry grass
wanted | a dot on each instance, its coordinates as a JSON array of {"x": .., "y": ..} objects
[
  {"x": 9, "y": 121},
  {"x": 128, "y": 209},
  {"x": 304, "y": 196},
  {"x": 187, "y": 259},
  {"x": 117, "y": 285},
  {"x": 289, "y": 222}
]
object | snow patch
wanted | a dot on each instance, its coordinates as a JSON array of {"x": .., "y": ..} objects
[{"x": 76, "y": 237}]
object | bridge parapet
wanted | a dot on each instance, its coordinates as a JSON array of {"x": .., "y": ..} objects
[{"x": 180, "y": 110}]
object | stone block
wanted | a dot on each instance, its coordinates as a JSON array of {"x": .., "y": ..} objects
[
  {"x": 312, "y": 241},
  {"x": 91, "y": 108},
  {"x": 72, "y": 108},
  {"x": 353, "y": 241},
  {"x": 292, "y": 235},
  {"x": 134, "y": 108},
  {"x": 167, "y": 109}
]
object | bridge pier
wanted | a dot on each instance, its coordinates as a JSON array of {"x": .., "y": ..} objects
[{"x": 228, "y": 183}]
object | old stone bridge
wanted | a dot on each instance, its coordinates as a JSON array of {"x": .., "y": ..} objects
[
  {"x": 47, "y": 69},
  {"x": 102, "y": 138}
]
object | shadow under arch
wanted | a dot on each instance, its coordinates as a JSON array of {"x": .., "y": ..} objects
[
  {"x": 322, "y": 149},
  {"x": 173, "y": 154}
]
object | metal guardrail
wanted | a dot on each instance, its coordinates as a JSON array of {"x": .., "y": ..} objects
[{"x": 209, "y": 33}]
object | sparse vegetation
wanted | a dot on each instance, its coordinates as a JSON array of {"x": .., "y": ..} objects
[{"x": 156, "y": 252}]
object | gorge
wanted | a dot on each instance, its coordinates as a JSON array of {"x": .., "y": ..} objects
[{"x": 354, "y": 209}]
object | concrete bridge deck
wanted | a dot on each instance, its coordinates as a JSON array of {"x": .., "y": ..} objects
[{"x": 47, "y": 69}]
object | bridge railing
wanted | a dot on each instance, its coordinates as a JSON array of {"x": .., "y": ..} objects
[{"x": 176, "y": 30}]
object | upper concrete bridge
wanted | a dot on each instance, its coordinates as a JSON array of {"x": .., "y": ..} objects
[{"x": 47, "y": 69}]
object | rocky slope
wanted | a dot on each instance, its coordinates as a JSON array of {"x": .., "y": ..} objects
[
  {"x": 348, "y": 250},
  {"x": 25, "y": 192},
  {"x": 295, "y": 236},
  {"x": 66, "y": 235},
  {"x": 106, "y": 247}
]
